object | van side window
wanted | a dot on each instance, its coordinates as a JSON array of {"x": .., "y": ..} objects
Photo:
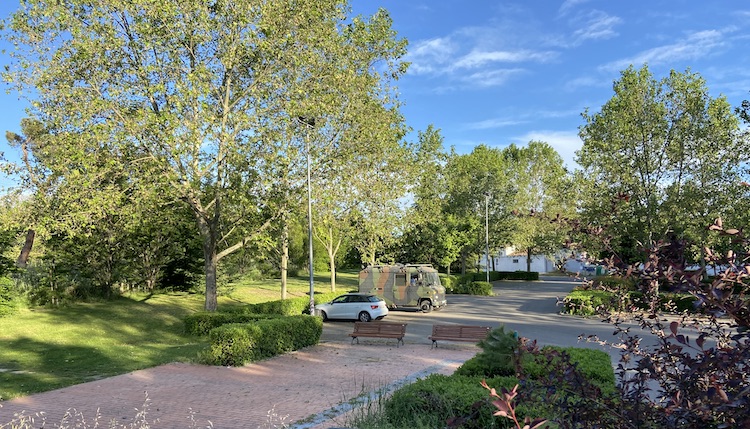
[{"x": 400, "y": 280}]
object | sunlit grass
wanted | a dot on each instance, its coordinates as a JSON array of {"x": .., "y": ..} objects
[{"x": 44, "y": 349}]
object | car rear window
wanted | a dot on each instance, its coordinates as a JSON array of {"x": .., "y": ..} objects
[{"x": 373, "y": 298}]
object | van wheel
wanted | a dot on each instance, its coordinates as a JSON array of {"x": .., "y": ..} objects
[{"x": 425, "y": 306}]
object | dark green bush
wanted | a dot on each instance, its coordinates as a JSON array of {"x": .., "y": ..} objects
[
  {"x": 678, "y": 302},
  {"x": 449, "y": 282},
  {"x": 202, "y": 322},
  {"x": 518, "y": 275},
  {"x": 430, "y": 402},
  {"x": 613, "y": 282},
  {"x": 497, "y": 357},
  {"x": 499, "y": 275},
  {"x": 595, "y": 365},
  {"x": 586, "y": 302},
  {"x": 9, "y": 298},
  {"x": 238, "y": 343},
  {"x": 475, "y": 288}
]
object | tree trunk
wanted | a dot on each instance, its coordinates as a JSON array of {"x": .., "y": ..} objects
[
  {"x": 23, "y": 258},
  {"x": 284, "y": 255},
  {"x": 211, "y": 261},
  {"x": 528, "y": 260},
  {"x": 332, "y": 262},
  {"x": 209, "y": 235}
]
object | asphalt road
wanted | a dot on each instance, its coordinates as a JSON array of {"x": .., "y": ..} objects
[{"x": 529, "y": 308}]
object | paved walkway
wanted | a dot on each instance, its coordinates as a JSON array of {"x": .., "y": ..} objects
[{"x": 307, "y": 389}]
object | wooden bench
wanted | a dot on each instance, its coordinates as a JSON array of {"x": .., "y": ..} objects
[
  {"x": 468, "y": 333},
  {"x": 379, "y": 330}
]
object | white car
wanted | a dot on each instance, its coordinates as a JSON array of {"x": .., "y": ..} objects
[{"x": 364, "y": 307}]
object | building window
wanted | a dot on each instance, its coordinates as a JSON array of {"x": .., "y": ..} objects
[{"x": 515, "y": 261}]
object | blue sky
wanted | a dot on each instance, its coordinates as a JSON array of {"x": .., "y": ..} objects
[{"x": 502, "y": 72}]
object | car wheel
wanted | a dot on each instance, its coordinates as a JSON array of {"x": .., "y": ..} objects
[
  {"x": 364, "y": 317},
  {"x": 324, "y": 315},
  {"x": 425, "y": 306}
]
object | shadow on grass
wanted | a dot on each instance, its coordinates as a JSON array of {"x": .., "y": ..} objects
[
  {"x": 89, "y": 341},
  {"x": 54, "y": 366}
]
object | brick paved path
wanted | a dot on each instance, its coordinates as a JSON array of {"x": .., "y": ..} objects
[{"x": 312, "y": 387}]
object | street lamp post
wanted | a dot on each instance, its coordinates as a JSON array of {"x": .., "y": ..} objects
[
  {"x": 309, "y": 122},
  {"x": 487, "y": 233}
]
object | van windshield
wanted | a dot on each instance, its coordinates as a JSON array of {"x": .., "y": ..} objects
[{"x": 431, "y": 279}]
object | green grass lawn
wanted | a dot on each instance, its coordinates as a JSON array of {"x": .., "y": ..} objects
[{"x": 44, "y": 349}]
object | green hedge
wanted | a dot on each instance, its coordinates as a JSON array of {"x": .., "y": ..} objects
[
  {"x": 474, "y": 288},
  {"x": 287, "y": 307},
  {"x": 587, "y": 302},
  {"x": 430, "y": 402},
  {"x": 236, "y": 344},
  {"x": 449, "y": 282},
  {"x": 498, "y": 275},
  {"x": 614, "y": 282},
  {"x": 595, "y": 365},
  {"x": 202, "y": 322}
]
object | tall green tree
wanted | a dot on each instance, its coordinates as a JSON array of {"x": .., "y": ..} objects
[
  {"x": 195, "y": 90},
  {"x": 543, "y": 192},
  {"x": 433, "y": 235},
  {"x": 666, "y": 151},
  {"x": 479, "y": 192}
]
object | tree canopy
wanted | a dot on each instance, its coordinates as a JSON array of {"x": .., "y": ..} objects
[
  {"x": 192, "y": 100},
  {"x": 667, "y": 151}
]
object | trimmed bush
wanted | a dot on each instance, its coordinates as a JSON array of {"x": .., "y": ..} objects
[
  {"x": 236, "y": 344},
  {"x": 587, "y": 302},
  {"x": 498, "y": 275},
  {"x": 432, "y": 401},
  {"x": 475, "y": 288},
  {"x": 595, "y": 365},
  {"x": 449, "y": 282},
  {"x": 518, "y": 275},
  {"x": 202, "y": 322},
  {"x": 497, "y": 357},
  {"x": 612, "y": 282}
]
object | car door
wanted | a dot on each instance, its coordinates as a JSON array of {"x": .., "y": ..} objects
[
  {"x": 339, "y": 308},
  {"x": 353, "y": 305}
]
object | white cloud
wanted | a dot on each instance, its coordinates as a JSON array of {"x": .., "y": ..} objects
[
  {"x": 429, "y": 56},
  {"x": 566, "y": 143},
  {"x": 494, "y": 123},
  {"x": 598, "y": 26},
  {"x": 489, "y": 78},
  {"x": 570, "y": 4},
  {"x": 694, "y": 46},
  {"x": 476, "y": 59}
]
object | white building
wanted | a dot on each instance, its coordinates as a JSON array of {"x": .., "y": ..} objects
[{"x": 509, "y": 259}]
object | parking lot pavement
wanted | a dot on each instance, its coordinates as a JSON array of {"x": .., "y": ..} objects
[{"x": 313, "y": 387}]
